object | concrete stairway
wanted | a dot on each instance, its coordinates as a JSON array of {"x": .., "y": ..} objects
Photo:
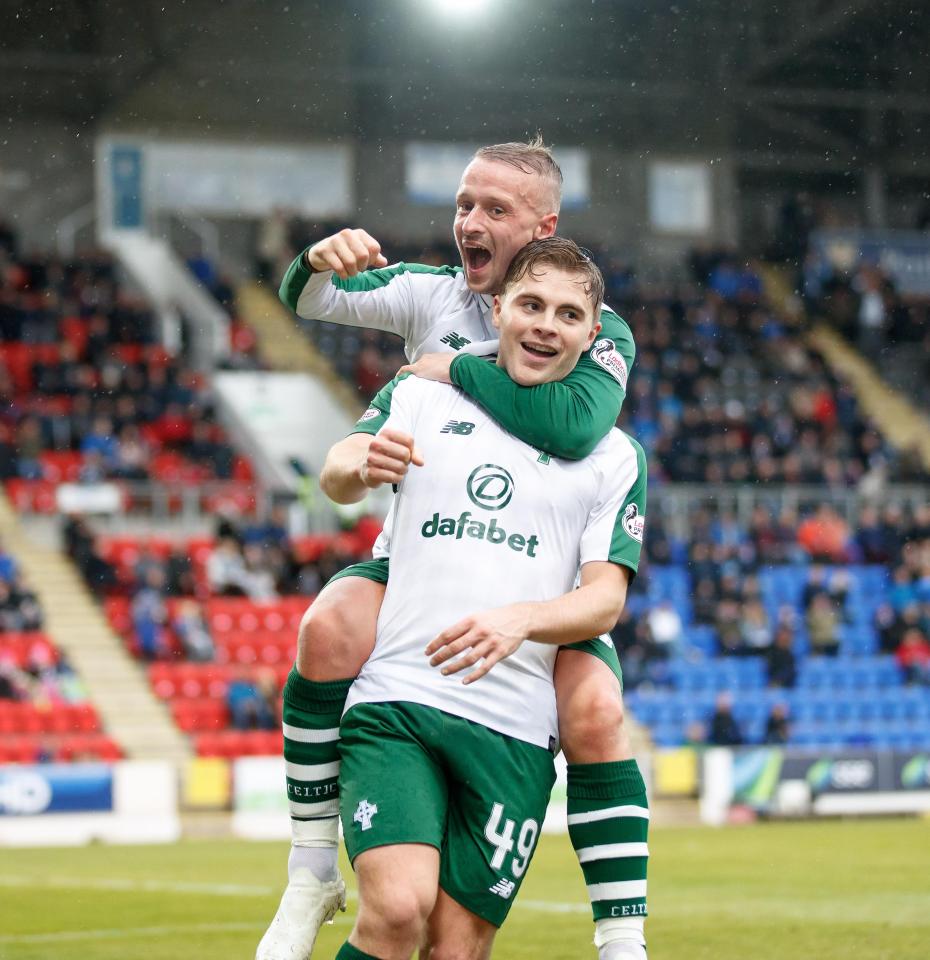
[
  {"x": 116, "y": 683},
  {"x": 903, "y": 425},
  {"x": 283, "y": 346}
]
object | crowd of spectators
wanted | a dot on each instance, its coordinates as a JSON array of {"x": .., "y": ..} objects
[
  {"x": 20, "y": 611},
  {"x": 724, "y": 560},
  {"x": 863, "y": 303},
  {"x": 252, "y": 698},
  {"x": 722, "y": 729},
  {"x": 890, "y": 329},
  {"x": 80, "y": 372},
  {"x": 903, "y": 623},
  {"x": 255, "y": 559},
  {"x": 726, "y": 391},
  {"x": 44, "y": 678},
  {"x": 258, "y": 560},
  {"x": 31, "y": 669}
]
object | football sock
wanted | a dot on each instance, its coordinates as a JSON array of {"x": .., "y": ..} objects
[
  {"x": 608, "y": 824},
  {"x": 348, "y": 952},
  {"x": 622, "y": 950},
  {"x": 620, "y": 939},
  {"x": 320, "y": 861},
  {"x": 311, "y": 716}
]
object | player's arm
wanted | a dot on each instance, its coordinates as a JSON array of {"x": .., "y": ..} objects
[
  {"x": 492, "y": 635},
  {"x": 345, "y": 278},
  {"x": 372, "y": 455},
  {"x": 566, "y": 418}
]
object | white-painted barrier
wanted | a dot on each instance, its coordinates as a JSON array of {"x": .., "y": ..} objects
[{"x": 73, "y": 804}]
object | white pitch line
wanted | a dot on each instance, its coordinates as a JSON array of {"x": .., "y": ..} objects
[
  {"x": 145, "y": 886},
  {"x": 124, "y": 933},
  {"x": 228, "y": 890},
  {"x": 552, "y": 906}
]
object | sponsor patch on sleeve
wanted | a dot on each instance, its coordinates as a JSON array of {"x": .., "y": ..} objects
[
  {"x": 605, "y": 354},
  {"x": 369, "y": 414},
  {"x": 634, "y": 522}
]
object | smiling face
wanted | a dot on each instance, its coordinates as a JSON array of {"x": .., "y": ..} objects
[
  {"x": 498, "y": 210},
  {"x": 546, "y": 321}
]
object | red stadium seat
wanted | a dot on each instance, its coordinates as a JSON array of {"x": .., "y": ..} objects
[
  {"x": 242, "y": 470},
  {"x": 74, "y": 330},
  {"x": 83, "y": 718},
  {"x": 61, "y": 466},
  {"x": 17, "y": 358}
]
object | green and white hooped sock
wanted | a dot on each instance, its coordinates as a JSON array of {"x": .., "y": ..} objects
[
  {"x": 311, "y": 716},
  {"x": 608, "y": 824}
]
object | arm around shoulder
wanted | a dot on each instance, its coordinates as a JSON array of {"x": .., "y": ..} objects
[{"x": 566, "y": 418}]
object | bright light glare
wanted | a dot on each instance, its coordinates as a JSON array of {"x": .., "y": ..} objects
[{"x": 460, "y": 7}]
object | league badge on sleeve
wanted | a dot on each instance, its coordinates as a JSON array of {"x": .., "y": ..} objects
[
  {"x": 634, "y": 522},
  {"x": 369, "y": 414},
  {"x": 605, "y": 354}
]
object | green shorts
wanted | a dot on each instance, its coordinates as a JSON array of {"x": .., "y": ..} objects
[
  {"x": 603, "y": 651},
  {"x": 414, "y": 774},
  {"x": 377, "y": 570}
]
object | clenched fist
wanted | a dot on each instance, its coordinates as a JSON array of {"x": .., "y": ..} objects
[
  {"x": 346, "y": 253},
  {"x": 388, "y": 458}
]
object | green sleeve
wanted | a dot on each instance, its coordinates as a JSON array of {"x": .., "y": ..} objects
[
  {"x": 295, "y": 279},
  {"x": 376, "y": 416},
  {"x": 626, "y": 544},
  {"x": 567, "y": 418}
]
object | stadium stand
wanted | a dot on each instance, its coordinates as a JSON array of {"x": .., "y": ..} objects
[
  {"x": 90, "y": 396},
  {"x": 824, "y": 641},
  {"x": 221, "y": 649},
  {"x": 45, "y": 713},
  {"x": 783, "y": 609}
]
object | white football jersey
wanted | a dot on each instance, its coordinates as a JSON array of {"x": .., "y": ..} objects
[
  {"x": 487, "y": 521},
  {"x": 431, "y": 308}
]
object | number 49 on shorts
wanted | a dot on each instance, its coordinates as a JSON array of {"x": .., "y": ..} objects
[{"x": 499, "y": 833}]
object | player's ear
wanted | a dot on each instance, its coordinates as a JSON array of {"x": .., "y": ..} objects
[
  {"x": 546, "y": 226},
  {"x": 496, "y": 312},
  {"x": 595, "y": 330}
]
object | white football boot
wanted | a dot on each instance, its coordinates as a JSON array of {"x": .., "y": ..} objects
[{"x": 307, "y": 903}]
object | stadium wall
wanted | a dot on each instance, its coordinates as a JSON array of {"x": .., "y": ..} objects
[
  {"x": 617, "y": 216},
  {"x": 46, "y": 174},
  {"x": 70, "y": 804}
]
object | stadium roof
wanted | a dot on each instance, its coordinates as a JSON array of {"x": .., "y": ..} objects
[{"x": 802, "y": 84}]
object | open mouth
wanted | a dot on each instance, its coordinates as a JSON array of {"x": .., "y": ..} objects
[
  {"x": 477, "y": 257},
  {"x": 538, "y": 350}
]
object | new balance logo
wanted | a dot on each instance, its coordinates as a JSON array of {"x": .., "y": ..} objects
[
  {"x": 462, "y": 427},
  {"x": 364, "y": 812},
  {"x": 454, "y": 340},
  {"x": 503, "y": 888}
]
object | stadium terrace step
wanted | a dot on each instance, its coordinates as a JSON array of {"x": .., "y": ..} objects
[
  {"x": 904, "y": 426},
  {"x": 281, "y": 343},
  {"x": 136, "y": 724}
]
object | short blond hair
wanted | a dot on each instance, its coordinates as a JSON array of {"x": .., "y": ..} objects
[{"x": 530, "y": 157}]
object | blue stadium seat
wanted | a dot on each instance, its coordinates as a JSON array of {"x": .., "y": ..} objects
[{"x": 702, "y": 638}]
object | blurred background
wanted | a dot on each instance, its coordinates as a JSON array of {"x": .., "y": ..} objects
[{"x": 755, "y": 183}]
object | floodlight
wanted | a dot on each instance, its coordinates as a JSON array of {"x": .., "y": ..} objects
[{"x": 459, "y": 7}]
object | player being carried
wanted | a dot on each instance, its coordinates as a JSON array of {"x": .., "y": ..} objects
[
  {"x": 444, "y": 784},
  {"x": 509, "y": 195}
]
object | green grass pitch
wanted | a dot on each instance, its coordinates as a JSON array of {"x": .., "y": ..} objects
[{"x": 806, "y": 890}]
